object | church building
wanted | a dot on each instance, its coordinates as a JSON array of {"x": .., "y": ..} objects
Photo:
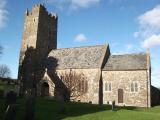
[{"x": 125, "y": 79}]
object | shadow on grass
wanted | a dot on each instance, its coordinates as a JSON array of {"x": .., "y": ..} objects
[
  {"x": 59, "y": 110},
  {"x": 54, "y": 110}
]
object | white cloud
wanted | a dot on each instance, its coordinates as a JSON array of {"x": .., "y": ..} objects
[
  {"x": 80, "y": 38},
  {"x": 83, "y": 3},
  {"x": 73, "y": 4},
  {"x": 149, "y": 23},
  {"x": 3, "y": 13},
  {"x": 149, "y": 28},
  {"x": 151, "y": 18},
  {"x": 152, "y": 41},
  {"x": 149, "y": 34}
]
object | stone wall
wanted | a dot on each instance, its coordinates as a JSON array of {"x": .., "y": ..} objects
[
  {"x": 122, "y": 80},
  {"x": 92, "y": 76}
]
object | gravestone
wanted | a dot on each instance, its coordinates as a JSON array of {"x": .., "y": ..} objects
[
  {"x": 10, "y": 106},
  {"x": 113, "y": 105},
  {"x": 10, "y": 112},
  {"x": 10, "y": 98}
]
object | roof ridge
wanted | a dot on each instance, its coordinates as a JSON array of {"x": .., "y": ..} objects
[
  {"x": 141, "y": 53},
  {"x": 81, "y": 47}
]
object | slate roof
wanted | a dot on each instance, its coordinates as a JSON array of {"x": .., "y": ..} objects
[
  {"x": 89, "y": 57},
  {"x": 127, "y": 62}
]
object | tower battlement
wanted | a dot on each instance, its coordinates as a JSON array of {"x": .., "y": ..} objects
[{"x": 40, "y": 7}]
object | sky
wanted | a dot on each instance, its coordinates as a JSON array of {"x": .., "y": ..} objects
[{"x": 128, "y": 26}]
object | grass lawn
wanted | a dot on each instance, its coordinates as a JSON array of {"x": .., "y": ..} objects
[
  {"x": 53, "y": 110},
  {"x": 4, "y": 85}
]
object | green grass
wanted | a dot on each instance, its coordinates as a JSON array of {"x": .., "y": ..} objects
[
  {"x": 4, "y": 85},
  {"x": 54, "y": 110}
]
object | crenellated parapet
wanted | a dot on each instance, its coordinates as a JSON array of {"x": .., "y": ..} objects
[{"x": 40, "y": 7}]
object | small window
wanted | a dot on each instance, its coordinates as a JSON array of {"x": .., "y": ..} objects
[
  {"x": 82, "y": 86},
  {"x": 134, "y": 87},
  {"x": 108, "y": 86}
]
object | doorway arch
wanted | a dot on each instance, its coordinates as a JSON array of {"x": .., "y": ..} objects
[{"x": 45, "y": 89}]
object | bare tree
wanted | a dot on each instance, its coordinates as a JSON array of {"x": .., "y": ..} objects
[
  {"x": 4, "y": 71},
  {"x": 75, "y": 83}
]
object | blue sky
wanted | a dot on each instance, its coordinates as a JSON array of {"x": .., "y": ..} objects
[{"x": 129, "y": 26}]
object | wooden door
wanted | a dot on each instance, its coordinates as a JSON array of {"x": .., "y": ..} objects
[{"x": 120, "y": 95}]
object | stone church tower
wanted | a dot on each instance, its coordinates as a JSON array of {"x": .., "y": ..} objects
[{"x": 40, "y": 34}]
